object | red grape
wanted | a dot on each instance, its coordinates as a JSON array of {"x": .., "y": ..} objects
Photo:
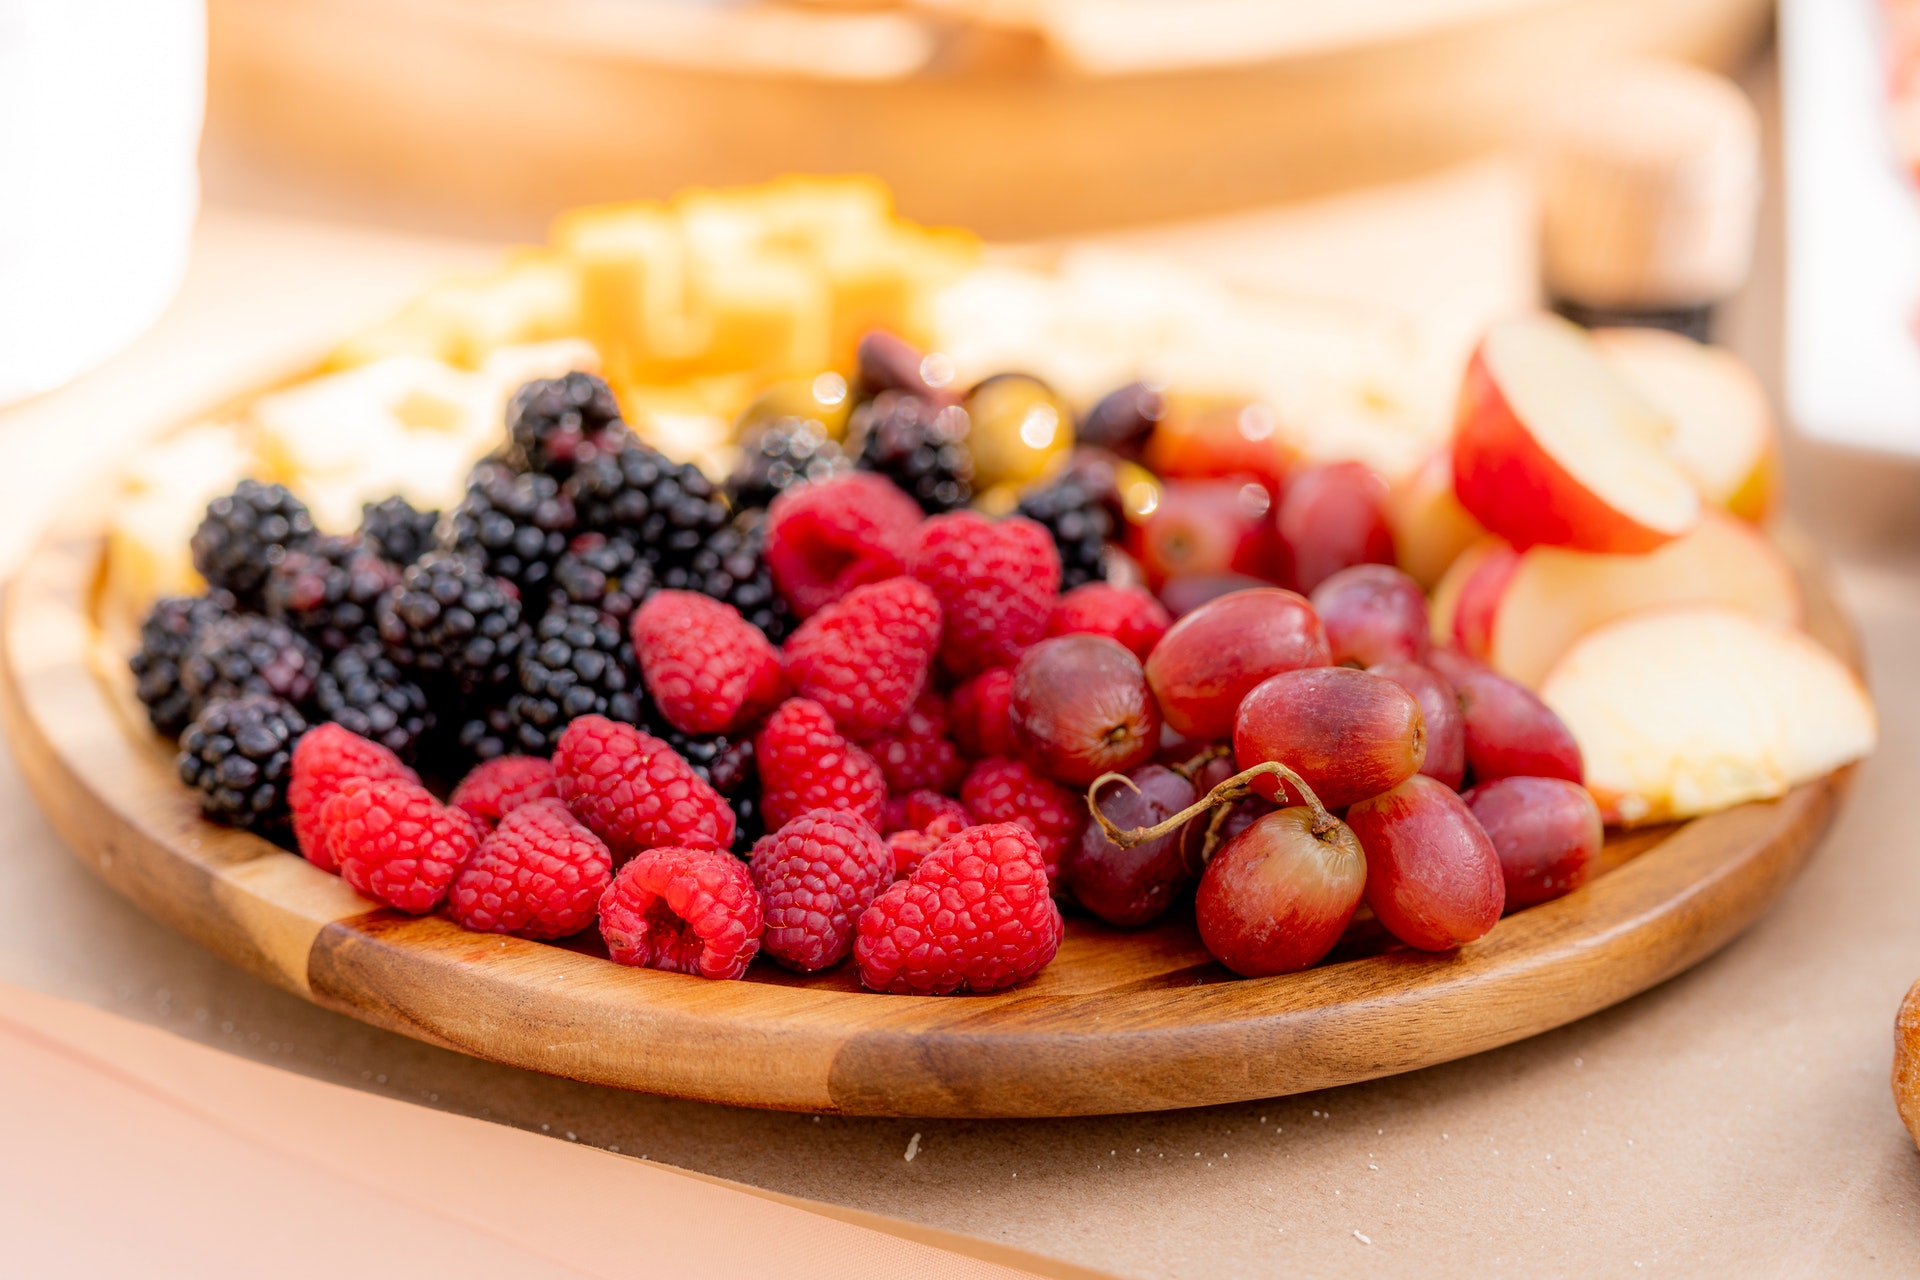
[
  {"x": 1433, "y": 878},
  {"x": 1130, "y": 887},
  {"x": 1081, "y": 708},
  {"x": 1373, "y": 613},
  {"x": 1510, "y": 732},
  {"x": 1546, "y": 831},
  {"x": 1440, "y": 706},
  {"x": 1277, "y": 896},
  {"x": 1350, "y": 734},
  {"x": 1334, "y": 515},
  {"x": 1207, "y": 526},
  {"x": 1210, "y": 658},
  {"x": 1184, "y": 594}
]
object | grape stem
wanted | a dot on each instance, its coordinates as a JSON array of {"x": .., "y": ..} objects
[
  {"x": 1218, "y": 751},
  {"x": 1233, "y": 789}
]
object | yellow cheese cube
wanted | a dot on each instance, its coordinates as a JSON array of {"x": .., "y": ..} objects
[{"x": 630, "y": 261}]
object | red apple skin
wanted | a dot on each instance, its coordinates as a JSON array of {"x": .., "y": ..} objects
[
  {"x": 1446, "y": 760},
  {"x": 1433, "y": 877},
  {"x": 1276, "y": 897},
  {"x": 1349, "y": 734},
  {"x": 1081, "y": 707},
  {"x": 1515, "y": 489},
  {"x": 1132, "y": 887},
  {"x": 1546, "y": 832},
  {"x": 1209, "y": 659},
  {"x": 1478, "y": 604}
]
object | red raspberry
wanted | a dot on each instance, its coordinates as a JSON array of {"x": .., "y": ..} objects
[
  {"x": 866, "y": 656},
  {"x": 995, "y": 580},
  {"x": 817, "y": 874},
  {"x": 1000, "y": 790},
  {"x": 805, "y": 764},
  {"x": 684, "y": 910},
  {"x": 497, "y": 787},
  {"x": 396, "y": 842},
  {"x": 917, "y": 754},
  {"x": 1129, "y": 614},
  {"x": 323, "y": 760},
  {"x": 825, "y": 539},
  {"x": 975, "y": 915},
  {"x": 918, "y": 823},
  {"x": 983, "y": 715},
  {"x": 634, "y": 792},
  {"x": 709, "y": 669},
  {"x": 540, "y": 874}
]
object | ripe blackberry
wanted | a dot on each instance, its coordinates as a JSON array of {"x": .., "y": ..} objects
[
  {"x": 665, "y": 508},
  {"x": 166, "y": 636},
  {"x": 729, "y": 566},
  {"x": 516, "y": 525},
  {"x": 607, "y": 573},
  {"x": 482, "y": 731},
  {"x": 1075, "y": 513},
  {"x": 395, "y": 531},
  {"x": 362, "y": 689},
  {"x": 554, "y": 424},
  {"x": 238, "y": 753},
  {"x": 919, "y": 445},
  {"x": 725, "y": 761},
  {"x": 244, "y": 532},
  {"x": 329, "y": 590},
  {"x": 578, "y": 662},
  {"x": 450, "y": 617},
  {"x": 248, "y": 654},
  {"x": 783, "y": 453}
]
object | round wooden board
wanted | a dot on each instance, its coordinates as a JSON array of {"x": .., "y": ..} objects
[{"x": 1119, "y": 1022}]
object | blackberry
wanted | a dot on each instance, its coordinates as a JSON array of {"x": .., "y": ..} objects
[
  {"x": 238, "y": 752},
  {"x": 515, "y": 525},
  {"x": 729, "y": 566},
  {"x": 244, "y": 532},
  {"x": 726, "y": 762},
  {"x": 578, "y": 662},
  {"x": 450, "y": 617},
  {"x": 919, "y": 445},
  {"x": 1075, "y": 512},
  {"x": 395, "y": 531},
  {"x": 604, "y": 572},
  {"x": 470, "y": 730},
  {"x": 665, "y": 508},
  {"x": 329, "y": 590},
  {"x": 555, "y": 424},
  {"x": 362, "y": 690},
  {"x": 248, "y": 654},
  {"x": 783, "y": 453},
  {"x": 166, "y": 636}
]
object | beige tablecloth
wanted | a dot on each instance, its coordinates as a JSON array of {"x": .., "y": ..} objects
[{"x": 1734, "y": 1121}]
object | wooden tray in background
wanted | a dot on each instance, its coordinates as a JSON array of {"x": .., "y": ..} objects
[{"x": 1121, "y": 1021}]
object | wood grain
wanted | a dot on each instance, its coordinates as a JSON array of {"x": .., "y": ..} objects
[{"x": 1122, "y": 1021}]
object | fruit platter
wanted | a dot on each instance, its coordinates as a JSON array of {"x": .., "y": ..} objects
[{"x": 701, "y": 656}]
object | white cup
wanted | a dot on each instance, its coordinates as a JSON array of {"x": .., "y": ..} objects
[{"x": 100, "y": 109}]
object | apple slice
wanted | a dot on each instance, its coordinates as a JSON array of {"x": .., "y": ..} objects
[
  {"x": 1689, "y": 710},
  {"x": 1430, "y": 527},
  {"x": 1551, "y": 446},
  {"x": 1723, "y": 431},
  {"x": 1519, "y": 611}
]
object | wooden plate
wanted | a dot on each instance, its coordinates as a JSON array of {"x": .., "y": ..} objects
[{"x": 1120, "y": 1021}]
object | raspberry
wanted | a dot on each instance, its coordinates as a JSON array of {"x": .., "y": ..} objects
[
  {"x": 921, "y": 822},
  {"x": 1000, "y": 790},
  {"x": 540, "y": 874},
  {"x": 684, "y": 910},
  {"x": 805, "y": 764},
  {"x": 323, "y": 760},
  {"x": 709, "y": 670},
  {"x": 496, "y": 788},
  {"x": 917, "y": 754},
  {"x": 982, "y": 715},
  {"x": 995, "y": 581},
  {"x": 817, "y": 874},
  {"x": 975, "y": 915},
  {"x": 866, "y": 656},
  {"x": 823, "y": 540},
  {"x": 634, "y": 792},
  {"x": 1127, "y": 614},
  {"x": 395, "y": 842}
]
